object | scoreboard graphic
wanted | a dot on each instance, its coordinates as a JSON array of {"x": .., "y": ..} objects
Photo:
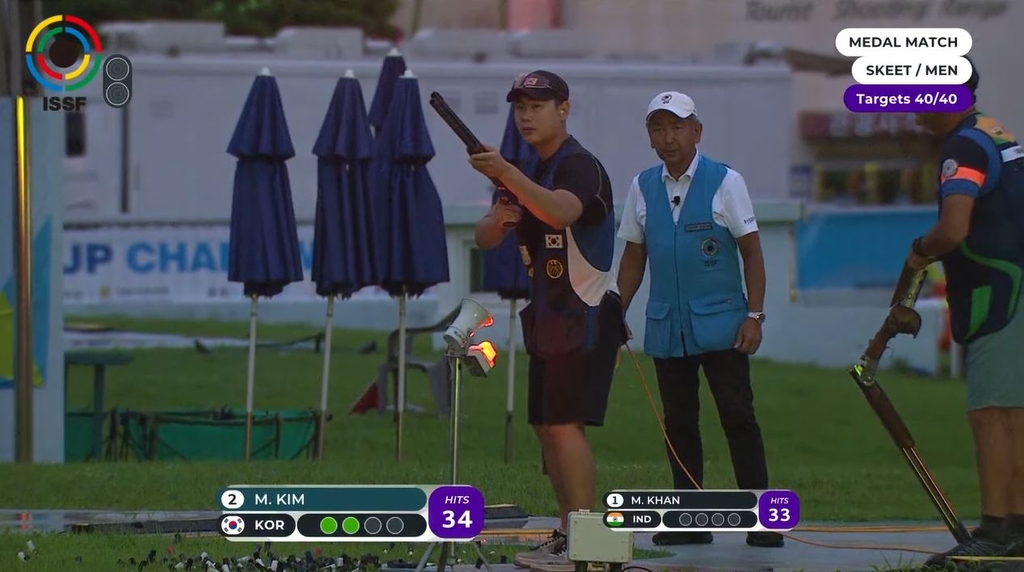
[
  {"x": 702, "y": 510},
  {"x": 374, "y": 513}
]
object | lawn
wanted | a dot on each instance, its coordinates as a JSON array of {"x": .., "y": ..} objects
[
  {"x": 55, "y": 553},
  {"x": 823, "y": 440}
]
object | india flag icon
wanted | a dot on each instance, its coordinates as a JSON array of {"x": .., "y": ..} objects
[{"x": 614, "y": 519}]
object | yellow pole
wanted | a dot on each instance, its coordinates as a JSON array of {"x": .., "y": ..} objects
[{"x": 23, "y": 290}]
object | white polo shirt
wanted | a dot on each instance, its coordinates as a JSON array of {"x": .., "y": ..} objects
[{"x": 731, "y": 206}]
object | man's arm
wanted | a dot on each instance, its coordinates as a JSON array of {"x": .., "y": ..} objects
[
  {"x": 631, "y": 271},
  {"x": 753, "y": 269},
  {"x": 575, "y": 183},
  {"x": 738, "y": 212},
  {"x": 633, "y": 263},
  {"x": 488, "y": 233},
  {"x": 964, "y": 177}
]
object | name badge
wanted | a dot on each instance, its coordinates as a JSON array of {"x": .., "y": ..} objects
[{"x": 697, "y": 226}]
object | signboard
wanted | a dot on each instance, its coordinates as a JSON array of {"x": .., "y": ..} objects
[
  {"x": 844, "y": 124},
  {"x": 826, "y": 260},
  {"x": 166, "y": 264}
]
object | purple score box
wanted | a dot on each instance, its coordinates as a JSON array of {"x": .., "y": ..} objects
[
  {"x": 455, "y": 512},
  {"x": 778, "y": 509},
  {"x": 907, "y": 98}
]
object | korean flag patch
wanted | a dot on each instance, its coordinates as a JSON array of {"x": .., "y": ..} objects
[{"x": 553, "y": 241}]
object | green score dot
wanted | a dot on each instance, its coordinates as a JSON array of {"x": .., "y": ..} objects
[
  {"x": 328, "y": 525},
  {"x": 350, "y": 525}
]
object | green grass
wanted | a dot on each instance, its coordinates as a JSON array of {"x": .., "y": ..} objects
[
  {"x": 113, "y": 552},
  {"x": 823, "y": 440}
]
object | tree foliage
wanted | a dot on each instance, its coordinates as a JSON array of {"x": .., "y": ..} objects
[{"x": 242, "y": 17}]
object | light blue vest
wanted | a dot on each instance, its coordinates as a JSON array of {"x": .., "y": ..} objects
[{"x": 696, "y": 302}]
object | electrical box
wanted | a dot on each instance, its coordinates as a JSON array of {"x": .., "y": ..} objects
[{"x": 590, "y": 540}]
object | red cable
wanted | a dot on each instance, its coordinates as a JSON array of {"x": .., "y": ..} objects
[{"x": 664, "y": 432}]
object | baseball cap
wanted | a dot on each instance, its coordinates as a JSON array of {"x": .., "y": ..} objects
[
  {"x": 972, "y": 82},
  {"x": 539, "y": 84},
  {"x": 679, "y": 104}
]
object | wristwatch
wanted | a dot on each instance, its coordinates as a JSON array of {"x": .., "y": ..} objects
[{"x": 759, "y": 316}]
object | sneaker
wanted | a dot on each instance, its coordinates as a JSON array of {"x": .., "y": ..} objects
[
  {"x": 765, "y": 539},
  {"x": 979, "y": 545},
  {"x": 550, "y": 551},
  {"x": 680, "y": 538},
  {"x": 555, "y": 562}
]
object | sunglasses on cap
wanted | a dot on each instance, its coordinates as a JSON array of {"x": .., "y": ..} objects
[
  {"x": 530, "y": 81},
  {"x": 538, "y": 83}
]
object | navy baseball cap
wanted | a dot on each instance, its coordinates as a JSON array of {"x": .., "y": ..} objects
[
  {"x": 539, "y": 84},
  {"x": 975, "y": 79}
]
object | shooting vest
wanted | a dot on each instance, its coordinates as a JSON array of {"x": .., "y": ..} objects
[
  {"x": 558, "y": 321},
  {"x": 696, "y": 302},
  {"x": 983, "y": 274}
]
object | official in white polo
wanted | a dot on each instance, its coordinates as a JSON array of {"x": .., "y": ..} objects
[{"x": 692, "y": 217}]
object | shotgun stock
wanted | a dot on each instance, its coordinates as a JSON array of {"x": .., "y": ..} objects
[
  {"x": 902, "y": 319},
  {"x": 473, "y": 145}
]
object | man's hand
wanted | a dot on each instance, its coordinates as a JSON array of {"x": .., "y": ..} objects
[
  {"x": 748, "y": 339},
  {"x": 490, "y": 162},
  {"x": 918, "y": 261},
  {"x": 505, "y": 214}
]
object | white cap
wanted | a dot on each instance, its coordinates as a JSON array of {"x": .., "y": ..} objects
[{"x": 679, "y": 104}]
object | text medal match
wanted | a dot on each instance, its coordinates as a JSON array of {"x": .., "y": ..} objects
[{"x": 907, "y": 70}]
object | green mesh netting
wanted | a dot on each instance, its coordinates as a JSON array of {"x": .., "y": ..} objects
[{"x": 192, "y": 435}]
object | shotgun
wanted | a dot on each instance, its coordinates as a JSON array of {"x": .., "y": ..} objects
[
  {"x": 473, "y": 145},
  {"x": 902, "y": 319}
]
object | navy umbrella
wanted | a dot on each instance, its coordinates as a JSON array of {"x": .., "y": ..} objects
[
  {"x": 504, "y": 271},
  {"x": 344, "y": 240},
  {"x": 414, "y": 256},
  {"x": 264, "y": 244},
  {"x": 392, "y": 69}
]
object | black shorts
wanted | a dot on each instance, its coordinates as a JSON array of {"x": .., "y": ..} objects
[{"x": 574, "y": 388}]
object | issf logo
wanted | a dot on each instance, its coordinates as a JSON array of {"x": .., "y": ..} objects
[{"x": 64, "y": 54}]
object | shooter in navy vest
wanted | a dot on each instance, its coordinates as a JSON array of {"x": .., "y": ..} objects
[
  {"x": 573, "y": 326},
  {"x": 692, "y": 217},
  {"x": 979, "y": 238}
]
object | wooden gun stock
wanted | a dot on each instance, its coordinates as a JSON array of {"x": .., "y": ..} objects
[{"x": 902, "y": 319}]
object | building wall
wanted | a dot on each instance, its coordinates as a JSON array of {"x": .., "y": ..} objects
[
  {"x": 686, "y": 29},
  {"x": 683, "y": 29},
  {"x": 449, "y": 14}
]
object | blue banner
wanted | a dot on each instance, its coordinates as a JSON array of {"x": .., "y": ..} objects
[{"x": 857, "y": 248}]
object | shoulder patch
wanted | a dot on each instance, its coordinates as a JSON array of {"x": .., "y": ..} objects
[
  {"x": 994, "y": 130},
  {"x": 949, "y": 167}
]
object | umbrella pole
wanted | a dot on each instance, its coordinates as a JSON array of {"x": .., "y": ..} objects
[
  {"x": 322, "y": 421},
  {"x": 250, "y": 378},
  {"x": 510, "y": 395},
  {"x": 400, "y": 397}
]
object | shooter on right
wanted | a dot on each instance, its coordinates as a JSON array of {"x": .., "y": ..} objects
[{"x": 979, "y": 238}]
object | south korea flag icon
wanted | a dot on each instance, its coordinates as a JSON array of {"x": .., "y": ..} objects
[{"x": 232, "y": 525}]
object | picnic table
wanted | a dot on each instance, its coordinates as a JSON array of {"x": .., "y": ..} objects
[{"x": 99, "y": 361}]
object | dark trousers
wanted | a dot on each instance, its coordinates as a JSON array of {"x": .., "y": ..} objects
[{"x": 728, "y": 375}]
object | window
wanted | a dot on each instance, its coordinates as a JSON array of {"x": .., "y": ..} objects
[
  {"x": 74, "y": 134},
  {"x": 849, "y": 183}
]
